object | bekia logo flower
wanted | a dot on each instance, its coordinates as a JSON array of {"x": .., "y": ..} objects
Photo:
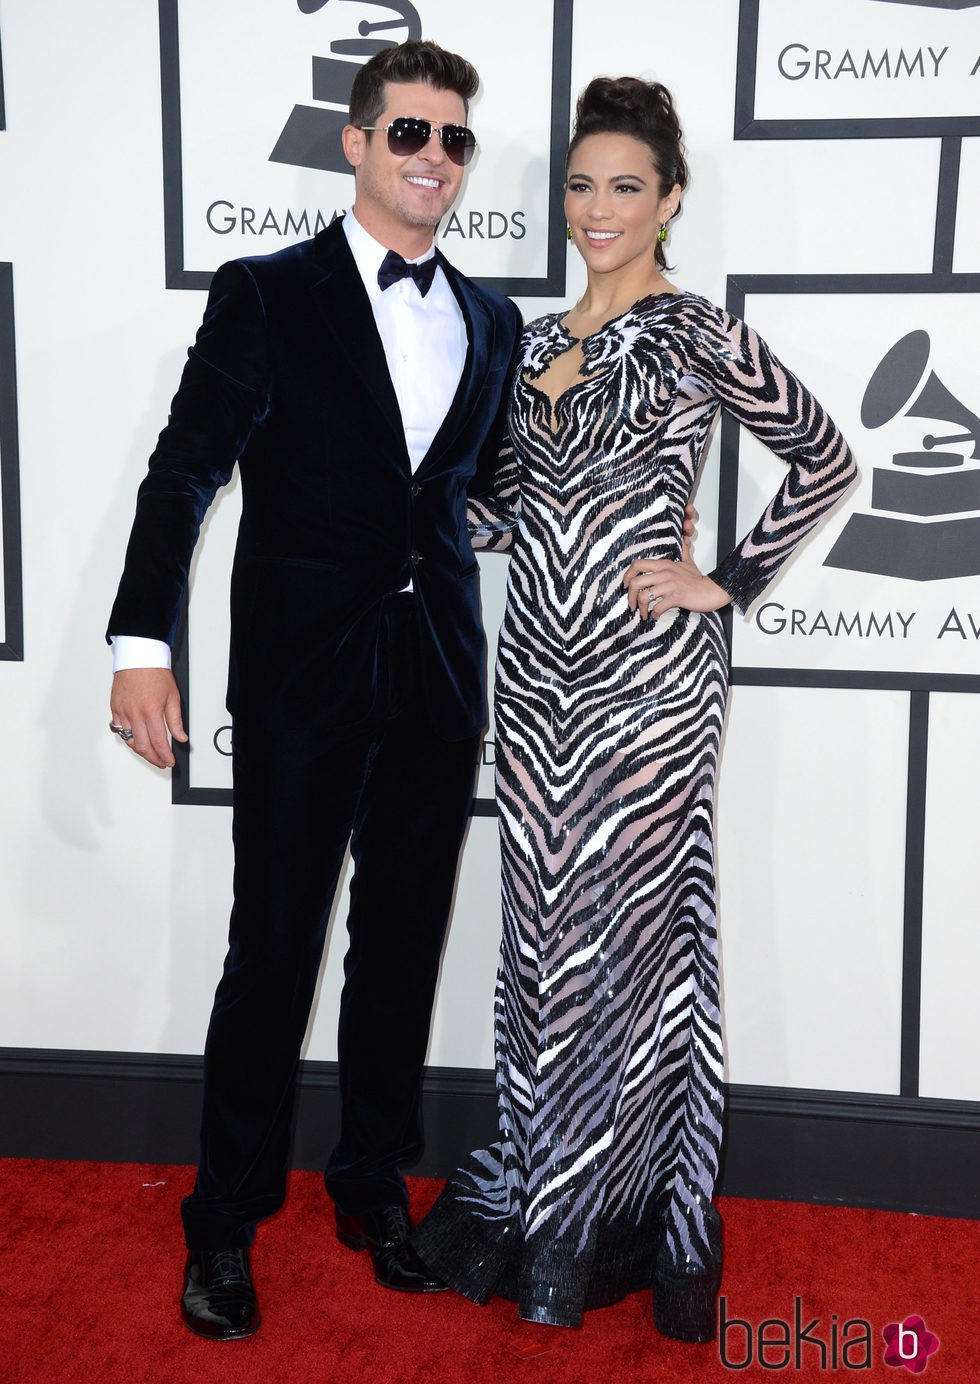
[{"x": 909, "y": 1343}]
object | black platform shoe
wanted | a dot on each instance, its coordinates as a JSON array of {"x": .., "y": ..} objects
[{"x": 685, "y": 1296}]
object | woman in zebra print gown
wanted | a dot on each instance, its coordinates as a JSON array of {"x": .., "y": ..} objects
[{"x": 610, "y": 694}]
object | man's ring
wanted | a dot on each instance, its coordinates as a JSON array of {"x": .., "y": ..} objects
[{"x": 126, "y": 735}]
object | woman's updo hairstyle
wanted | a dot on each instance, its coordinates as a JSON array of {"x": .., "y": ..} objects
[{"x": 643, "y": 110}]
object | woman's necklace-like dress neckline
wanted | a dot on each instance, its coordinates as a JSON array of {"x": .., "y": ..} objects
[{"x": 616, "y": 317}]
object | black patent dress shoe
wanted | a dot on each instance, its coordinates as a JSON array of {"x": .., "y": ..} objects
[
  {"x": 219, "y": 1299},
  {"x": 385, "y": 1233}
]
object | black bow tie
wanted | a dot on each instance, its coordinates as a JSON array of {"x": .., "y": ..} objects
[{"x": 393, "y": 268}]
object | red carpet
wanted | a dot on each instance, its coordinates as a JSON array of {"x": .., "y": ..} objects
[{"x": 91, "y": 1259}]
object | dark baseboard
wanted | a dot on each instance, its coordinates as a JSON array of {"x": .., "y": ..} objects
[{"x": 852, "y": 1149}]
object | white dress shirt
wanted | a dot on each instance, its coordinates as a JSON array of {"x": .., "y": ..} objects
[
  {"x": 424, "y": 342},
  {"x": 424, "y": 339}
]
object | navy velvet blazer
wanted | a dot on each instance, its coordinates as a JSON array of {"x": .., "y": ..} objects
[{"x": 288, "y": 378}]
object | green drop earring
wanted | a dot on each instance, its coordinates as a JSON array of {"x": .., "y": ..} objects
[{"x": 568, "y": 232}]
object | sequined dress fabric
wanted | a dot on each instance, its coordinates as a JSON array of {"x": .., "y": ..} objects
[{"x": 607, "y": 1028}]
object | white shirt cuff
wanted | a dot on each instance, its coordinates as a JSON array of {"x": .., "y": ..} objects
[{"x": 133, "y": 651}]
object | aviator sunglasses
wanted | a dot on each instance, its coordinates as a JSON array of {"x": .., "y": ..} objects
[{"x": 409, "y": 134}]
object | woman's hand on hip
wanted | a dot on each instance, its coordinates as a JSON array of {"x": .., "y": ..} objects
[{"x": 656, "y": 585}]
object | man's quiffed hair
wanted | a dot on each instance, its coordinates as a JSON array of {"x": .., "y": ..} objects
[{"x": 415, "y": 60}]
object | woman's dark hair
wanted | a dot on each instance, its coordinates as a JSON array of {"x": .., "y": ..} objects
[
  {"x": 643, "y": 110},
  {"x": 415, "y": 60}
]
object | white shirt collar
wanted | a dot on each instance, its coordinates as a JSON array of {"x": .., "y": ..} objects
[{"x": 368, "y": 252}]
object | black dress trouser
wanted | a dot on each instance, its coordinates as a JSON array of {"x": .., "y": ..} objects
[{"x": 400, "y": 795}]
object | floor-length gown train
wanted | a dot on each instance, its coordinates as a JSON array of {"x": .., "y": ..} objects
[{"x": 607, "y": 1026}]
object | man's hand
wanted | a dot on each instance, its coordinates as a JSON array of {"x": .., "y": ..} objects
[{"x": 146, "y": 701}]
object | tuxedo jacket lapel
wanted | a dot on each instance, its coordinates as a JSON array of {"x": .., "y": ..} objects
[
  {"x": 479, "y": 335},
  {"x": 345, "y": 311}
]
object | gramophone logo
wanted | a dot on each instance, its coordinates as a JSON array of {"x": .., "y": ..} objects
[
  {"x": 925, "y": 519},
  {"x": 311, "y": 137}
]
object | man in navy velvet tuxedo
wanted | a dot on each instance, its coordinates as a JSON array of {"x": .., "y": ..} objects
[{"x": 360, "y": 393}]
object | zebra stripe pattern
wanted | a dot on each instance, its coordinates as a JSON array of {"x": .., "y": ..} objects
[{"x": 607, "y": 1026}]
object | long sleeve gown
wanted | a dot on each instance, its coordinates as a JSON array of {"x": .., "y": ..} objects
[{"x": 607, "y": 1029}]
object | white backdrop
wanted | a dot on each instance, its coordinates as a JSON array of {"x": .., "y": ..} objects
[{"x": 115, "y": 900}]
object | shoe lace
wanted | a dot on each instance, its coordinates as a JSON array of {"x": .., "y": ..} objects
[
  {"x": 396, "y": 1223},
  {"x": 228, "y": 1268}
]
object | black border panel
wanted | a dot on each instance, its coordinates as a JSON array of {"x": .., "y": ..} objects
[
  {"x": 852, "y": 1149},
  {"x": 915, "y": 854},
  {"x": 12, "y": 649},
  {"x": 946, "y": 201},
  {"x": 181, "y": 790},
  {"x": 3, "y": 108},
  {"x": 178, "y": 276},
  {"x": 824, "y": 1147}
]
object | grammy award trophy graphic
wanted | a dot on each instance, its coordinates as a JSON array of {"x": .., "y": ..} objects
[
  {"x": 311, "y": 137},
  {"x": 925, "y": 523}
]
